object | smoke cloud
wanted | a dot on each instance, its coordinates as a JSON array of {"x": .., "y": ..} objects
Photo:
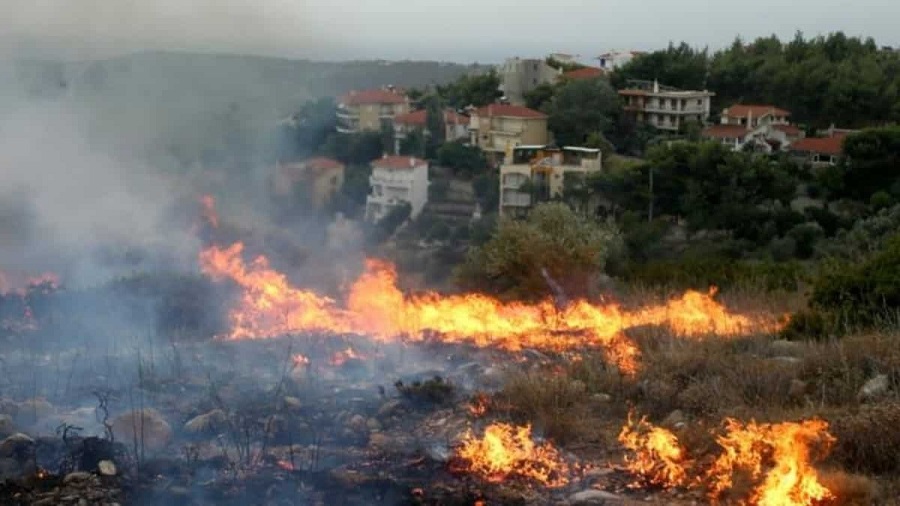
[{"x": 90, "y": 28}]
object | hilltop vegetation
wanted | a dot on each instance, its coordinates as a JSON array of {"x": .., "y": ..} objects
[{"x": 837, "y": 79}]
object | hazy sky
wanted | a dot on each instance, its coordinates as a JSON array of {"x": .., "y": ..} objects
[{"x": 460, "y": 30}]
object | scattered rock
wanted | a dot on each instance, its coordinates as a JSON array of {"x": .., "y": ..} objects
[
  {"x": 77, "y": 477},
  {"x": 373, "y": 425},
  {"x": 874, "y": 389},
  {"x": 602, "y": 398},
  {"x": 787, "y": 360},
  {"x": 107, "y": 467},
  {"x": 7, "y": 428},
  {"x": 390, "y": 408},
  {"x": 593, "y": 497},
  {"x": 147, "y": 426},
  {"x": 213, "y": 421},
  {"x": 357, "y": 423},
  {"x": 292, "y": 403},
  {"x": 675, "y": 420},
  {"x": 17, "y": 446}
]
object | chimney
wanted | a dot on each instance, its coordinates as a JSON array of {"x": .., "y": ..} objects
[
  {"x": 655, "y": 86},
  {"x": 412, "y": 162}
]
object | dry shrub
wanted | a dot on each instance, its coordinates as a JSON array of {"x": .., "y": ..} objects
[
  {"x": 837, "y": 369},
  {"x": 555, "y": 404},
  {"x": 707, "y": 377},
  {"x": 868, "y": 440},
  {"x": 849, "y": 489}
]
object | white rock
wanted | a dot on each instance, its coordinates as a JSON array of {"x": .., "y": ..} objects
[
  {"x": 874, "y": 389},
  {"x": 107, "y": 467},
  {"x": 594, "y": 498}
]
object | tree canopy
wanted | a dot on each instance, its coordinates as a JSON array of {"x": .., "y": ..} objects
[
  {"x": 478, "y": 90},
  {"x": 582, "y": 108},
  {"x": 822, "y": 80},
  {"x": 570, "y": 248}
]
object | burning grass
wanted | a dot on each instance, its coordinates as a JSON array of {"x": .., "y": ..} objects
[
  {"x": 506, "y": 452},
  {"x": 375, "y": 306},
  {"x": 758, "y": 463}
]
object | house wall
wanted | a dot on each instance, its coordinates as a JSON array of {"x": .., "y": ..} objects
[
  {"x": 403, "y": 185},
  {"x": 519, "y": 76}
]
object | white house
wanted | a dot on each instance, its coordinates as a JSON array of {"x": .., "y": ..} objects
[
  {"x": 396, "y": 180},
  {"x": 614, "y": 59}
]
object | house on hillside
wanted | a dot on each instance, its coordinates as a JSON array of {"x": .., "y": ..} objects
[
  {"x": 396, "y": 180},
  {"x": 321, "y": 177},
  {"x": 456, "y": 126},
  {"x": 533, "y": 174},
  {"x": 370, "y": 110},
  {"x": 754, "y": 116},
  {"x": 518, "y": 76},
  {"x": 763, "y": 128},
  {"x": 821, "y": 151},
  {"x": 614, "y": 59},
  {"x": 497, "y": 128},
  {"x": 665, "y": 107},
  {"x": 583, "y": 73}
]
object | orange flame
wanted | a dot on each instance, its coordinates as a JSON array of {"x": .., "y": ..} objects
[
  {"x": 479, "y": 405},
  {"x": 375, "y": 306},
  {"x": 300, "y": 360},
  {"x": 657, "y": 455},
  {"x": 342, "y": 357},
  {"x": 777, "y": 458},
  {"x": 506, "y": 451}
]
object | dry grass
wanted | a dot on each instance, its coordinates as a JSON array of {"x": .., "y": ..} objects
[{"x": 556, "y": 404}]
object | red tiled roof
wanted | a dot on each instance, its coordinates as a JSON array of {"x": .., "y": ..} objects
[
  {"x": 790, "y": 130},
  {"x": 322, "y": 163},
  {"x": 420, "y": 117},
  {"x": 511, "y": 111},
  {"x": 584, "y": 73},
  {"x": 398, "y": 162},
  {"x": 725, "y": 131},
  {"x": 741, "y": 111},
  {"x": 823, "y": 145},
  {"x": 373, "y": 97}
]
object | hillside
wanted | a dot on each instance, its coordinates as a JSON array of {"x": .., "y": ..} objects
[{"x": 178, "y": 105}]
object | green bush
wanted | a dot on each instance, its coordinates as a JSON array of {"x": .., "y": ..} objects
[
  {"x": 715, "y": 271},
  {"x": 861, "y": 293}
]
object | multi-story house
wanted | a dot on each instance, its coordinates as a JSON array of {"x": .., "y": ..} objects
[
  {"x": 664, "y": 107},
  {"x": 533, "y": 174},
  {"x": 518, "y": 76},
  {"x": 396, "y": 180},
  {"x": 456, "y": 126},
  {"x": 370, "y": 110},
  {"x": 496, "y": 128},
  {"x": 761, "y": 127},
  {"x": 754, "y": 116},
  {"x": 320, "y": 177},
  {"x": 615, "y": 59}
]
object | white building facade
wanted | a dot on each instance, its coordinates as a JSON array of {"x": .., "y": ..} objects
[{"x": 396, "y": 180}]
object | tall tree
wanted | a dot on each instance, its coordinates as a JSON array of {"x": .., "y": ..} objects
[{"x": 582, "y": 108}]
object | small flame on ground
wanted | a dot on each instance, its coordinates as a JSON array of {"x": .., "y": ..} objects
[
  {"x": 657, "y": 456},
  {"x": 479, "y": 405},
  {"x": 300, "y": 360},
  {"x": 777, "y": 457},
  {"x": 507, "y": 451},
  {"x": 773, "y": 460},
  {"x": 342, "y": 357}
]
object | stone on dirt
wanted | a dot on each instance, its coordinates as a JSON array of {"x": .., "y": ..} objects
[
  {"x": 593, "y": 497},
  {"x": 106, "y": 467},
  {"x": 874, "y": 389},
  {"x": 147, "y": 427},
  {"x": 210, "y": 422}
]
